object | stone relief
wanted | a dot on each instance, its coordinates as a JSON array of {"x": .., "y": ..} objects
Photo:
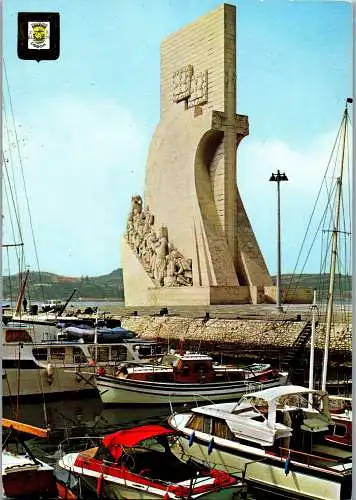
[
  {"x": 199, "y": 90},
  {"x": 164, "y": 263},
  {"x": 190, "y": 87},
  {"x": 182, "y": 82}
]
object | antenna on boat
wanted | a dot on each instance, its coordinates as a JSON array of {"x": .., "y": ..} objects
[
  {"x": 334, "y": 248},
  {"x": 312, "y": 342},
  {"x": 96, "y": 334}
]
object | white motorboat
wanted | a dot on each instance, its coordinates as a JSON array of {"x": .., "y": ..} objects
[
  {"x": 31, "y": 368},
  {"x": 276, "y": 438}
]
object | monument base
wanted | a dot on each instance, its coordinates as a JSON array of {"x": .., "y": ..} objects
[
  {"x": 141, "y": 290},
  {"x": 293, "y": 296}
]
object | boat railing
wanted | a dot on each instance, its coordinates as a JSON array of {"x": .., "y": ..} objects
[
  {"x": 78, "y": 444},
  {"x": 309, "y": 459},
  {"x": 253, "y": 386}
]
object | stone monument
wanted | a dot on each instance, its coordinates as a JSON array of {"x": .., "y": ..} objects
[{"x": 189, "y": 240}]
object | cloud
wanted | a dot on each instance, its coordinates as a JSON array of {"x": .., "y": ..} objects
[
  {"x": 82, "y": 161},
  {"x": 305, "y": 169}
]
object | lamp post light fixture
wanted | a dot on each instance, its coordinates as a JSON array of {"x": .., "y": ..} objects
[{"x": 278, "y": 177}]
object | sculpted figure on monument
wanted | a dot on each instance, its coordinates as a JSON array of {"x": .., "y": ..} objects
[
  {"x": 130, "y": 230},
  {"x": 149, "y": 220},
  {"x": 184, "y": 270},
  {"x": 171, "y": 275},
  {"x": 160, "y": 260},
  {"x": 136, "y": 204},
  {"x": 151, "y": 249}
]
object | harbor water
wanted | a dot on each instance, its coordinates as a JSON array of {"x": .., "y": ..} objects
[{"x": 87, "y": 417}]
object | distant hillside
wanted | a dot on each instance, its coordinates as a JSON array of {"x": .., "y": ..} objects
[
  {"x": 52, "y": 286},
  {"x": 110, "y": 286},
  {"x": 342, "y": 286}
]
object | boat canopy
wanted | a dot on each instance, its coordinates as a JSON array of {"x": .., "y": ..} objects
[
  {"x": 131, "y": 437},
  {"x": 276, "y": 392}
]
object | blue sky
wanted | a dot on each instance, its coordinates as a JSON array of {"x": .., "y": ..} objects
[{"x": 85, "y": 121}]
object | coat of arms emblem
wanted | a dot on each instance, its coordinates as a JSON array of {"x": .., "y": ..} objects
[{"x": 38, "y": 35}]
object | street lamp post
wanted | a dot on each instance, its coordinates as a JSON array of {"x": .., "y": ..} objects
[{"x": 278, "y": 177}]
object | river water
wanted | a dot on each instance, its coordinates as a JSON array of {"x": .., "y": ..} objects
[{"x": 86, "y": 417}]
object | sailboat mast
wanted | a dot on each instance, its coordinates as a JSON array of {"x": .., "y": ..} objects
[
  {"x": 334, "y": 249},
  {"x": 22, "y": 293}
]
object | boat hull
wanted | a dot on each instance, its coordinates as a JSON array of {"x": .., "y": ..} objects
[
  {"x": 34, "y": 382},
  {"x": 125, "y": 391},
  {"x": 24, "y": 479},
  {"x": 265, "y": 471},
  {"x": 118, "y": 489}
]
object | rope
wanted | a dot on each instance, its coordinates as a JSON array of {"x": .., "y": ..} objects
[
  {"x": 22, "y": 174},
  {"x": 328, "y": 213}
]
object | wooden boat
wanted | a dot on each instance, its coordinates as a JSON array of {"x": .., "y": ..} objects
[
  {"x": 23, "y": 475},
  {"x": 276, "y": 437},
  {"x": 138, "y": 463},
  {"x": 342, "y": 419},
  {"x": 181, "y": 378}
]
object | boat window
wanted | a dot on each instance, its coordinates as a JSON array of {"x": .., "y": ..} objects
[
  {"x": 78, "y": 355},
  {"x": 57, "y": 353},
  {"x": 40, "y": 354},
  {"x": 207, "y": 424},
  {"x": 102, "y": 354},
  {"x": 118, "y": 353},
  {"x": 340, "y": 430},
  {"x": 196, "y": 423},
  {"x": 17, "y": 336},
  {"x": 99, "y": 352},
  {"x": 221, "y": 430},
  {"x": 153, "y": 444}
]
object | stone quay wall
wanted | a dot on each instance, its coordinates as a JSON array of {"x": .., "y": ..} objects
[{"x": 244, "y": 333}]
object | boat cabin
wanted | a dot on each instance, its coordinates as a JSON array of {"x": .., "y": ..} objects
[
  {"x": 191, "y": 368},
  {"x": 67, "y": 353},
  {"x": 272, "y": 419}
]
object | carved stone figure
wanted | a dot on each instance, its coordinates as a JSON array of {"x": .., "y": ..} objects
[
  {"x": 149, "y": 220},
  {"x": 159, "y": 258},
  {"x": 136, "y": 204},
  {"x": 170, "y": 278}
]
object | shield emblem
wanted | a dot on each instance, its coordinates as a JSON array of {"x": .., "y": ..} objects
[{"x": 38, "y": 35}]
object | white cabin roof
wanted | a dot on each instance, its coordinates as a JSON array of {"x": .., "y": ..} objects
[
  {"x": 268, "y": 395},
  {"x": 279, "y": 391}
]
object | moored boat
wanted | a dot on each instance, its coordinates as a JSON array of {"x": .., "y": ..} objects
[
  {"x": 182, "y": 378},
  {"x": 138, "y": 463},
  {"x": 276, "y": 437},
  {"x": 342, "y": 419},
  {"x": 23, "y": 475},
  {"x": 31, "y": 368}
]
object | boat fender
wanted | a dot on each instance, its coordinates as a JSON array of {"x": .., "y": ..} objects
[
  {"x": 191, "y": 438},
  {"x": 50, "y": 373},
  {"x": 101, "y": 371},
  {"x": 99, "y": 485},
  {"x": 287, "y": 465},
  {"x": 211, "y": 446}
]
